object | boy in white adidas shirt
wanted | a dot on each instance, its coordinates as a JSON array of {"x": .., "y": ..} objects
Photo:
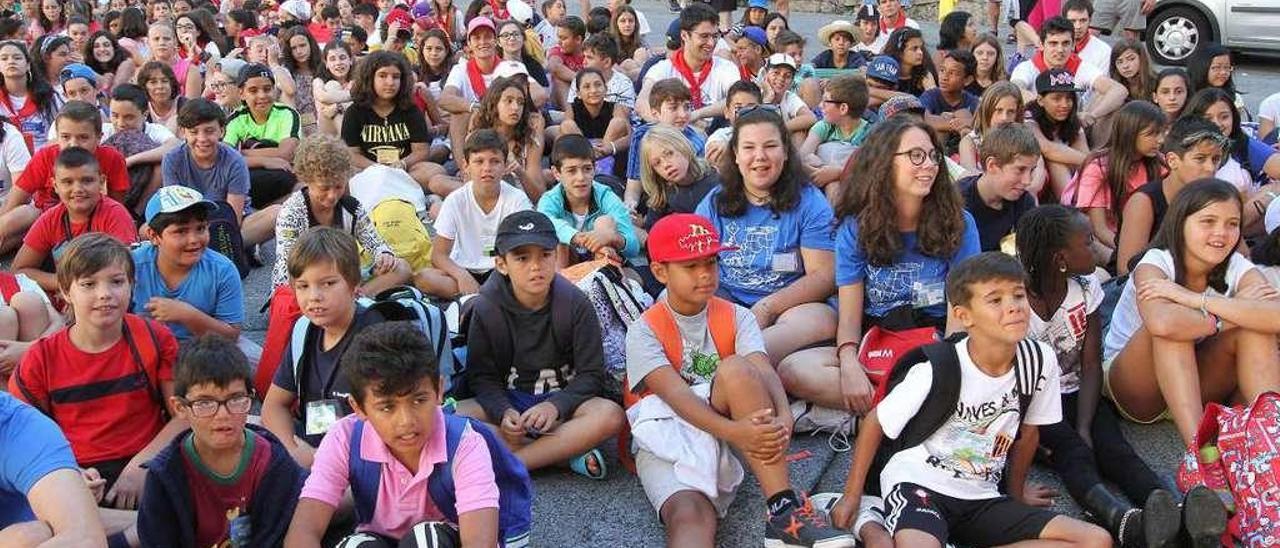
[{"x": 945, "y": 487}]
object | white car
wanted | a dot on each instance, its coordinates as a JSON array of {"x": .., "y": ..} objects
[{"x": 1177, "y": 29}]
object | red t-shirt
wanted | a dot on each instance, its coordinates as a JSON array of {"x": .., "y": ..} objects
[
  {"x": 103, "y": 402},
  {"x": 37, "y": 179},
  {"x": 50, "y": 229},
  {"x": 320, "y": 32},
  {"x": 221, "y": 504},
  {"x": 573, "y": 62}
]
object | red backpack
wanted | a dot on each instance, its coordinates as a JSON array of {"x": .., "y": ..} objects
[
  {"x": 1237, "y": 450},
  {"x": 284, "y": 311}
]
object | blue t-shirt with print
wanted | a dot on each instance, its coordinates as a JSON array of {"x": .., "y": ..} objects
[
  {"x": 212, "y": 287},
  {"x": 913, "y": 279},
  {"x": 768, "y": 255},
  {"x": 43, "y": 450},
  {"x": 638, "y": 132},
  {"x": 1259, "y": 153}
]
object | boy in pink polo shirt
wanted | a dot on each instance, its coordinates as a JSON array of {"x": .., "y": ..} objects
[{"x": 398, "y": 436}]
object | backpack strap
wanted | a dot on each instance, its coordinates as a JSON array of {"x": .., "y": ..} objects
[
  {"x": 944, "y": 392},
  {"x": 298, "y": 348},
  {"x": 1028, "y": 366},
  {"x": 153, "y": 387},
  {"x": 440, "y": 486},
  {"x": 362, "y": 475}
]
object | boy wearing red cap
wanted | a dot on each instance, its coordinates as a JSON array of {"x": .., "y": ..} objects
[{"x": 699, "y": 383}]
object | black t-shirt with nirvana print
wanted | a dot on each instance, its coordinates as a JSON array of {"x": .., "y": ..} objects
[{"x": 384, "y": 140}]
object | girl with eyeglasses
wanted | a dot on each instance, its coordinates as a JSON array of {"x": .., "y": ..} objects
[
  {"x": 199, "y": 38},
  {"x": 1213, "y": 68},
  {"x": 1192, "y": 150},
  {"x": 1110, "y": 175},
  {"x": 26, "y": 97},
  {"x": 1251, "y": 162},
  {"x": 902, "y": 227},
  {"x": 514, "y": 46},
  {"x": 781, "y": 226}
]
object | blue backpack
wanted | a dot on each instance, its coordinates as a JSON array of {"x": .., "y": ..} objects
[{"x": 515, "y": 489}]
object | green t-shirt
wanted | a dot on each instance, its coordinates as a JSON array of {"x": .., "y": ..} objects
[
  {"x": 282, "y": 123},
  {"x": 830, "y": 133}
]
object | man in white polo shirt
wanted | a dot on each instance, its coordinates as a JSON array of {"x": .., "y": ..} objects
[
  {"x": 1101, "y": 95},
  {"x": 708, "y": 76}
]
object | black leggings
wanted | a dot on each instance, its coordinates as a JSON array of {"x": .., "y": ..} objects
[{"x": 1111, "y": 457}]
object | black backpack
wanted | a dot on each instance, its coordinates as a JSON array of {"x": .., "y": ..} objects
[
  {"x": 224, "y": 236},
  {"x": 944, "y": 394}
]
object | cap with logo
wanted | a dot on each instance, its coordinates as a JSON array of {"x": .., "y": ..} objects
[
  {"x": 78, "y": 70},
  {"x": 883, "y": 68},
  {"x": 900, "y": 103},
  {"x": 509, "y": 68},
  {"x": 684, "y": 237},
  {"x": 1055, "y": 80},
  {"x": 528, "y": 227},
  {"x": 254, "y": 70},
  {"x": 175, "y": 198},
  {"x": 781, "y": 60}
]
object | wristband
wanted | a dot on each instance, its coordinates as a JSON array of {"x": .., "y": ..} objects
[
  {"x": 1204, "y": 304},
  {"x": 855, "y": 344}
]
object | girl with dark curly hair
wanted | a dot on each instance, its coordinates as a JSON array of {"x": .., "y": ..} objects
[
  {"x": 384, "y": 126},
  {"x": 508, "y": 109},
  {"x": 109, "y": 60},
  {"x": 902, "y": 227},
  {"x": 781, "y": 225}
]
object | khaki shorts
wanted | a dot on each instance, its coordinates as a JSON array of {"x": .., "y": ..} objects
[
  {"x": 1111, "y": 15},
  {"x": 658, "y": 477},
  {"x": 1106, "y": 391}
]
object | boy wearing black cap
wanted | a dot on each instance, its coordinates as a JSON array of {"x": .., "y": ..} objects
[
  {"x": 266, "y": 133},
  {"x": 535, "y": 360}
]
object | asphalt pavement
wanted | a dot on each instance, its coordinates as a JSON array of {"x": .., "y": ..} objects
[{"x": 570, "y": 510}]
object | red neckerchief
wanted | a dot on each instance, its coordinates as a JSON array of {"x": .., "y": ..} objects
[
  {"x": 1082, "y": 43},
  {"x": 694, "y": 82},
  {"x": 1073, "y": 62},
  {"x": 476, "y": 77},
  {"x": 499, "y": 10},
  {"x": 898, "y": 23},
  {"x": 746, "y": 73},
  {"x": 29, "y": 109}
]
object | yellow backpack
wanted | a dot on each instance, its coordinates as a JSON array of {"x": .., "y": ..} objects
[{"x": 398, "y": 224}]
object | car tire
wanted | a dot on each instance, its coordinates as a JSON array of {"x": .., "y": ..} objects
[{"x": 1175, "y": 35}]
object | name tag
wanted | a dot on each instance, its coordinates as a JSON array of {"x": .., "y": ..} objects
[
  {"x": 387, "y": 156},
  {"x": 320, "y": 416},
  {"x": 928, "y": 294},
  {"x": 788, "y": 262}
]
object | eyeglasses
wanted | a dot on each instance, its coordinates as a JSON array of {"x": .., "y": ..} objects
[
  {"x": 186, "y": 27},
  {"x": 1222, "y": 68},
  {"x": 509, "y": 35},
  {"x": 919, "y": 155},
  {"x": 706, "y": 36},
  {"x": 835, "y": 102},
  {"x": 236, "y": 405}
]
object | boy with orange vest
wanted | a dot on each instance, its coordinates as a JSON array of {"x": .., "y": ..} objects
[{"x": 699, "y": 383}]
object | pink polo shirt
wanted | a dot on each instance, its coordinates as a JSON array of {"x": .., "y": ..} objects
[{"x": 403, "y": 500}]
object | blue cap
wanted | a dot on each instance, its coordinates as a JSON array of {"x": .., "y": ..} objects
[
  {"x": 673, "y": 31},
  {"x": 883, "y": 68},
  {"x": 78, "y": 70},
  {"x": 757, "y": 35},
  {"x": 175, "y": 198},
  {"x": 762, "y": 4}
]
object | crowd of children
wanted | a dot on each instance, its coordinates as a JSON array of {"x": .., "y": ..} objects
[{"x": 983, "y": 256}]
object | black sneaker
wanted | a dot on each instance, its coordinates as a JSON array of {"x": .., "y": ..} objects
[
  {"x": 804, "y": 527},
  {"x": 1204, "y": 517},
  {"x": 674, "y": 5},
  {"x": 1161, "y": 520}
]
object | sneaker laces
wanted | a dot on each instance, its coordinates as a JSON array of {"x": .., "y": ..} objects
[{"x": 838, "y": 435}]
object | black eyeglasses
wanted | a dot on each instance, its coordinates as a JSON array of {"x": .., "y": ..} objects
[
  {"x": 236, "y": 405},
  {"x": 919, "y": 155}
]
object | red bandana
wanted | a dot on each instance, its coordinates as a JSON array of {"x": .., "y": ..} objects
[
  {"x": 1073, "y": 62},
  {"x": 899, "y": 22},
  {"x": 1082, "y": 43},
  {"x": 476, "y": 77},
  {"x": 28, "y": 110},
  {"x": 694, "y": 81},
  {"x": 499, "y": 10}
]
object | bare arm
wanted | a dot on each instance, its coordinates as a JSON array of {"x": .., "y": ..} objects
[
  {"x": 864, "y": 452},
  {"x": 284, "y": 152},
  {"x": 452, "y": 101},
  {"x": 310, "y": 519},
  {"x": 63, "y": 504},
  {"x": 479, "y": 528},
  {"x": 277, "y": 418},
  {"x": 195, "y": 82},
  {"x": 1098, "y": 220},
  {"x": 667, "y": 384},
  {"x": 1054, "y": 151},
  {"x": 1253, "y": 314},
  {"x": 17, "y": 197},
  {"x": 153, "y": 156},
  {"x": 817, "y": 283},
  {"x": 1090, "y": 375},
  {"x": 1134, "y": 231},
  {"x": 800, "y": 121},
  {"x": 1110, "y": 96},
  {"x": 968, "y": 153},
  {"x": 642, "y": 103},
  {"x": 28, "y": 261},
  {"x": 236, "y": 201},
  {"x": 1167, "y": 319},
  {"x": 1024, "y": 450}
]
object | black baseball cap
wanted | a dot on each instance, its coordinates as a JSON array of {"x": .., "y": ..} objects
[
  {"x": 254, "y": 70},
  {"x": 1055, "y": 80},
  {"x": 523, "y": 228}
]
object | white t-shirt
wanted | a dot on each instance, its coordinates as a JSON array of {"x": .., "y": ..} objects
[
  {"x": 1270, "y": 109},
  {"x": 1126, "y": 320},
  {"x": 1024, "y": 75},
  {"x": 471, "y": 229},
  {"x": 792, "y": 105},
  {"x": 1097, "y": 53},
  {"x": 13, "y": 151},
  {"x": 618, "y": 89},
  {"x": 716, "y": 87},
  {"x": 1234, "y": 173},
  {"x": 965, "y": 458},
  {"x": 458, "y": 78},
  {"x": 1065, "y": 329},
  {"x": 875, "y": 47}
]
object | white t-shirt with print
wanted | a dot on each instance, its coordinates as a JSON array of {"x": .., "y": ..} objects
[
  {"x": 1064, "y": 330},
  {"x": 471, "y": 229},
  {"x": 716, "y": 87},
  {"x": 965, "y": 458},
  {"x": 1127, "y": 320}
]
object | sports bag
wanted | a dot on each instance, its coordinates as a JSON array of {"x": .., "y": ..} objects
[
  {"x": 1236, "y": 450},
  {"x": 618, "y": 301},
  {"x": 515, "y": 489}
]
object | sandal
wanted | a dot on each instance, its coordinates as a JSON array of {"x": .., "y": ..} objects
[{"x": 586, "y": 462}]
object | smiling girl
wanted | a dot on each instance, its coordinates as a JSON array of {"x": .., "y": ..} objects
[
  {"x": 332, "y": 86},
  {"x": 108, "y": 60},
  {"x": 1000, "y": 105}
]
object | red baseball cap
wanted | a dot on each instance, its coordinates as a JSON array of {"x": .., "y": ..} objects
[
  {"x": 401, "y": 17},
  {"x": 684, "y": 237}
]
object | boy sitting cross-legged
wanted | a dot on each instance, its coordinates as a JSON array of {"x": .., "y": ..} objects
[
  {"x": 181, "y": 281},
  {"x": 590, "y": 219},
  {"x": 538, "y": 374},
  {"x": 414, "y": 472},
  {"x": 724, "y": 392},
  {"x": 948, "y": 442},
  {"x": 224, "y": 481}
]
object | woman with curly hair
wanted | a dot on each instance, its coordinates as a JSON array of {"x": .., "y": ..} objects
[
  {"x": 109, "y": 60},
  {"x": 508, "y": 109},
  {"x": 781, "y": 225},
  {"x": 902, "y": 227},
  {"x": 300, "y": 55},
  {"x": 383, "y": 126},
  {"x": 915, "y": 66}
]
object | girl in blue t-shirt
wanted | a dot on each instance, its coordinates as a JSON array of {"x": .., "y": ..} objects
[
  {"x": 899, "y": 235},
  {"x": 780, "y": 226}
]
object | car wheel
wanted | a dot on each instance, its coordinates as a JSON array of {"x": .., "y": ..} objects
[{"x": 1174, "y": 35}]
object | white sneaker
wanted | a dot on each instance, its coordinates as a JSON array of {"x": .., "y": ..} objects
[{"x": 814, "y": 418}]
